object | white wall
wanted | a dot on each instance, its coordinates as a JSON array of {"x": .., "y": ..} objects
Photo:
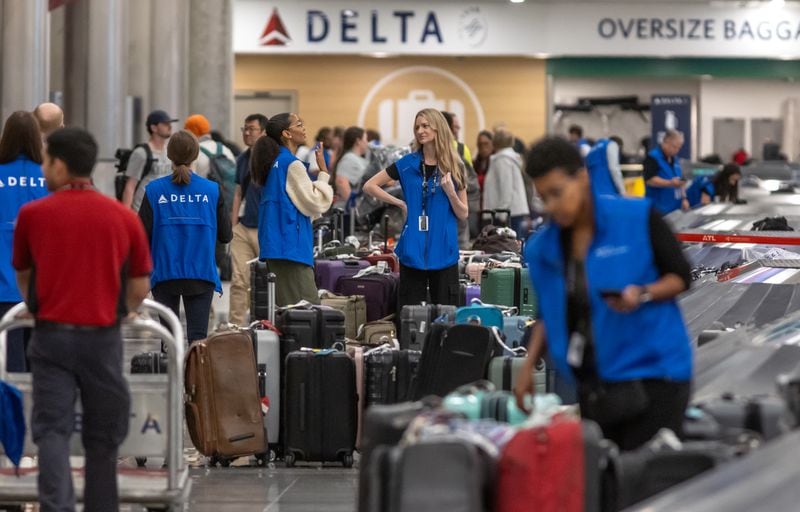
[
  {"x": 631, "y": 126},
  {"x": 745, "y": 99}
]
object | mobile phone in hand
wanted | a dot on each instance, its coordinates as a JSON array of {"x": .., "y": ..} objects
[{"x": 611, "y": 294}]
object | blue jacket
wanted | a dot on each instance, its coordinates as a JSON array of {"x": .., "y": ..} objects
[
  {"x": 650, "y": 342},
  {"x": 436, "y": 248},
  {"x": 21, "y": 181},
  {"x": 184, "y": 230},
  {"x": 700, "y": 184},
  {"x": 12, "y": 426},
  {"x": 284, "y": 232},
  {"x": 665, "y": 200},
  {"x": 599, "y": 171}
]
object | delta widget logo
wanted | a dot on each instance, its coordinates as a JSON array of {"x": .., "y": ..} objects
[{"x": 275, "y": 33}]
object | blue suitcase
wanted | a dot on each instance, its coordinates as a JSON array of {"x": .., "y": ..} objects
[{"x": 481, "y": 314}]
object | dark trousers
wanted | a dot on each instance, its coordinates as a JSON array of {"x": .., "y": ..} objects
[
  {"x": 520, "y": 225},
  {"x": 666, "y": 409},
  {"x": 431, "y": 286},
  {"x": 16, "y": 344},
  {"x": 67, "y": 364},
  {"x": 197, "y": 308}
]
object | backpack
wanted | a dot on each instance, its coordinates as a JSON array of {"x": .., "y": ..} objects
[
  {"x": 222, "y": 170},
  {"x": 772, "y": 224},
  {"x": 471, "y": 182},
  {"x": 123, "y": 155}
]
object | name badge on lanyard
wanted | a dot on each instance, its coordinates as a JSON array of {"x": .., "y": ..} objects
[{"x": 434, "y": 181}]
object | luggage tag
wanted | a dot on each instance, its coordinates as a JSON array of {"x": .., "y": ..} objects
[{"x": 577, "y": 344}]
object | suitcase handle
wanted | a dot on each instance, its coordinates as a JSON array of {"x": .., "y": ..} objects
[
  {"x": 386, "y": 234},
  {"x": 516, "y": 351},
  {"x": 271, "y": 279}
]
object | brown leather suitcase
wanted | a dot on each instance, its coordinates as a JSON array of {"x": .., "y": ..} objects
[{"x": 223, "y": 408}]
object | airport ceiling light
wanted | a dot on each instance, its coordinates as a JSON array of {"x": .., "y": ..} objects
[{"x": 517, "y": 1}]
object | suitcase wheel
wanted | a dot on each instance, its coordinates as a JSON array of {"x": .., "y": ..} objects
[
  {"x": 222, "y": 461},
  {"x": 347, "y": 460},
  {"x": 141, "y": 461},
  {"x": 289, "y": 459},
  {"x": 263, "y": 458}
]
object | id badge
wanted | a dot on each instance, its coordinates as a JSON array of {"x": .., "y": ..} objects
[
  {"x": 577, "y": 344},
  {"x": 423, "y": 223}
]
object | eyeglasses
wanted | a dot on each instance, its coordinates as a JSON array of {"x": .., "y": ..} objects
[{"x": 298, "y": 124}]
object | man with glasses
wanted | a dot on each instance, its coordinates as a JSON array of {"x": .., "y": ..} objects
[
  {"x": 663, "y": 177},
  {"x": 244, "y": 218}
]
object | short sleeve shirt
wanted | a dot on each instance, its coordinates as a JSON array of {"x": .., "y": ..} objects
[
  {"x": 136, "y": 164},
  {"x": 81, "y": 246}
]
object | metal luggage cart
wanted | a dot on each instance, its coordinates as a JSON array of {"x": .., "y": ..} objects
[{"x": 156, "y": 424}]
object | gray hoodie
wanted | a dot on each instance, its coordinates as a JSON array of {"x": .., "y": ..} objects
[{"x": 504, "y": 188}]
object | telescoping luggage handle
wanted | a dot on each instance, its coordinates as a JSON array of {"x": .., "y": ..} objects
[
  {"x": 271, "y": 278},
  {"x": 172, "y": 336}
]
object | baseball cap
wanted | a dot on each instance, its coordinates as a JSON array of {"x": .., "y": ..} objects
[
  {"x": 159, "y": 116},
  {"x": 198, "y": 124}
]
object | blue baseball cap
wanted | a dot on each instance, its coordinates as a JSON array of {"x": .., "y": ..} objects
[{"x": 159, "y": 116}]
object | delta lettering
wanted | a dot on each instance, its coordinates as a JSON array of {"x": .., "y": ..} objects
[
  {"x": 183, "y": 198},
  {"x": 23, "y": 181},
  {"x": 697, "y": 29},
  {"x": 318, "y": 26}
]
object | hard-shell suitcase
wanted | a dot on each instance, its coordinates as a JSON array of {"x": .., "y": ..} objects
[
  {"x": 441, "y": 473},
  {"x": 357, "y": 353},
  {"x": 380, "y": 291},
  {"x": 515, "y": 328},
  {"x": 655, "y": 467},
  {"x": 354, "y": 309},
  {"x": 509, "y": 287},
  {"x": 481, "y": 314},
  {"x": 416, "y": 320},
  {"x": 388, "y": 375},
  {"x": 328, "y": 271},
  {"x": 763, "y": 415},
  {"x": 320, "y": 409},
  {"x": 259, "y": 299},
  {"x": 467, "y": 292},
  {"x": 453, "y": 356},
  {"x": 310, "y": 327},
  {"x": 503, "y": 372},
  {"x": 566, "y": 474},
  {"x": 383, "y": 428},
  {"x": 223, "y": 406},
  {"x": 149, "y": 362}
]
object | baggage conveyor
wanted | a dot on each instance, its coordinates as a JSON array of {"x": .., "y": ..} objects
[{"x": 156, "y": 424}]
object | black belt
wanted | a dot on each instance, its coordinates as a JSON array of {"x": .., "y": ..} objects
[{"x": 58, "y": 326}]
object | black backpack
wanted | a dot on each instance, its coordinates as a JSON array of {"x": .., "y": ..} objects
[
  {"x": 772, "y": 224},
  {"x": 123, "y": 155}
]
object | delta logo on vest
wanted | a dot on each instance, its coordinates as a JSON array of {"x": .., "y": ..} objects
[
  {"x": 275, "y": 33},
  {"x": 23, "y": 181},
  {"x": 183, "y": 198}
]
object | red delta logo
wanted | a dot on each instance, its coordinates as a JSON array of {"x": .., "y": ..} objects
[{"x": 275, "y": 33}]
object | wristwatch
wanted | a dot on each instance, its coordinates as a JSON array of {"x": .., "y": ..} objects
[{"x": 645, "y": 296}]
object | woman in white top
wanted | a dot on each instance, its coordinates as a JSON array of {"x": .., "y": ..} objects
[
  {"x": 350, "y": 165},
  {"x": 504, "y": 187}
]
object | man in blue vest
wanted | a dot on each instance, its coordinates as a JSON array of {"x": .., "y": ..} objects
[
  {"x": 663, "y": 177},
  {"x": 575, "y": 135},
  {"x": 605, "y": 174}
]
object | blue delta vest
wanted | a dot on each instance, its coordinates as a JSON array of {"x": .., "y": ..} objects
[
  {"x": 436, "y": 248},
  {"x": 284, "y": 232},
  {"x": 700, "y": 184},
  {"x": 184, "y": 230},
  {"x": 599, "y": 171},
  {"x": 649, "y": 343},
  {"x": 665, "y": 200},
  {"x": 21, "y": 181}
]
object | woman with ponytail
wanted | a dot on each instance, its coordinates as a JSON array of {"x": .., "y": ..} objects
[
  {"x": 185, "y": 216},
  {"x": 350, "y": 166},
  {"x": 432, "y": 178},
  {"x": 289, "y": 201}
]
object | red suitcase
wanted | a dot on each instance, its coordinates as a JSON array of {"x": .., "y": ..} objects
[{"x": 390, "y": 259}]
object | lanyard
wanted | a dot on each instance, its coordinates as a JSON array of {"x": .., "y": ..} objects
[{"x": 434, "y": 183}]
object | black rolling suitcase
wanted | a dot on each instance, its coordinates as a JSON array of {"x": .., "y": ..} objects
[
  {"x": 320, "y": 407},
  {"x": 416, "y": 320},
  {"x": 453, "y": 356},
  {"x": 309, "y": 327},
  {"x": 149, "y": 362},
  {"x": 388, "y": 375},
  {"x": 259, "y": 296}
]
